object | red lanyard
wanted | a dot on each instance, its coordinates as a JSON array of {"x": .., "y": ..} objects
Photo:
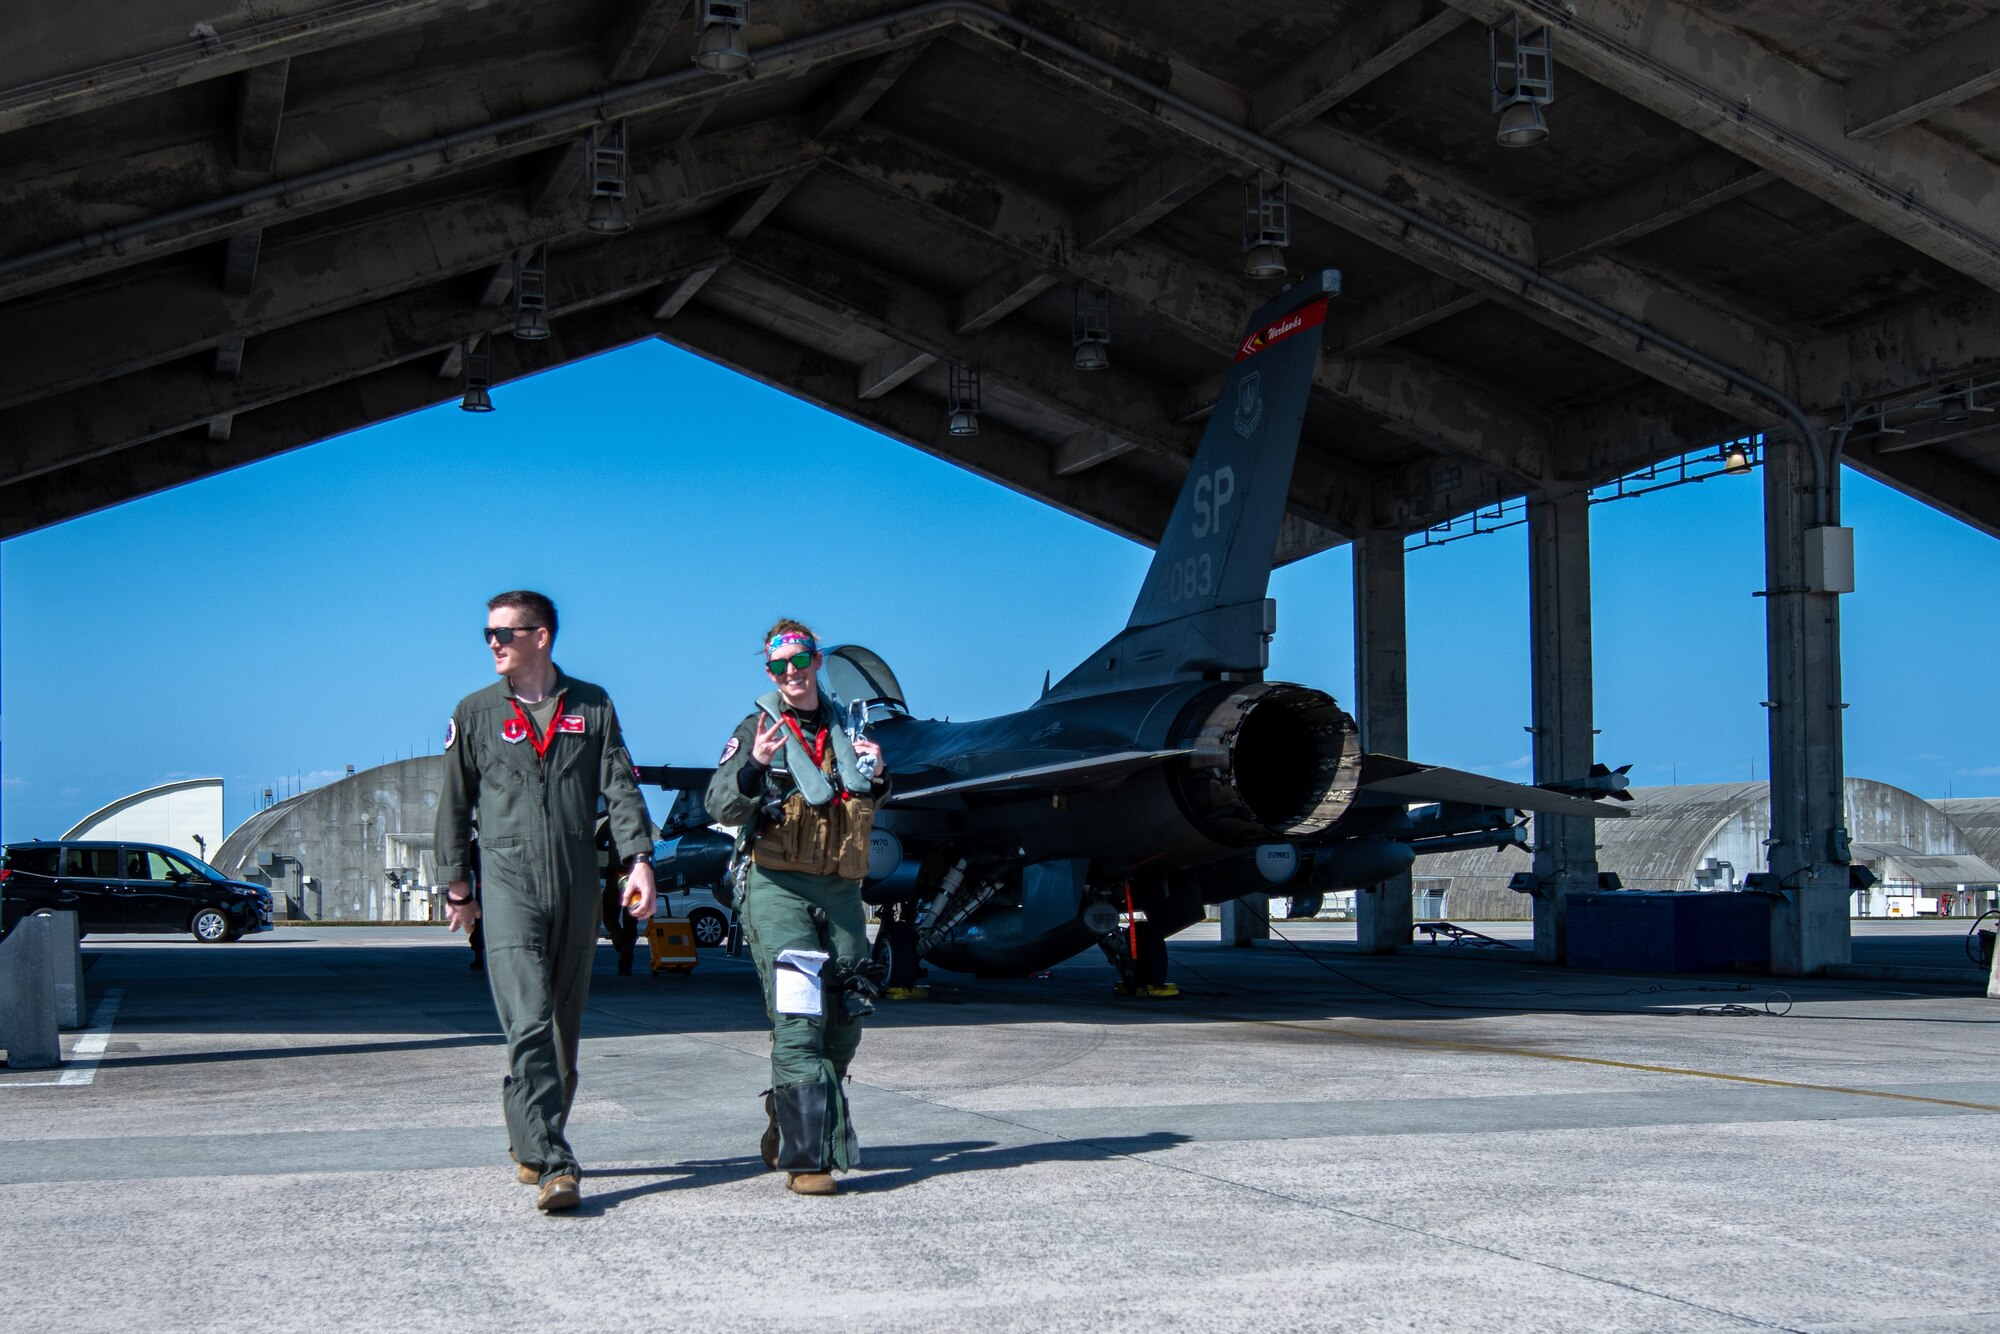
[
  {"x": 816, "y": 747},
  {"x": 541, "y": 739}
]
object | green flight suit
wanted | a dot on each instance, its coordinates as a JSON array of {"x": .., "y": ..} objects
[
  {"x": 797, "y": 910},
  {"x": 539, "y": 883}
]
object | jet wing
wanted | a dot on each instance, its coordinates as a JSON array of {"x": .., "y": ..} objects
[
  {"x": 673, "y": 777},
  {"x": 1086, "y": 772},
  {"x": 1395, "y": 777}
]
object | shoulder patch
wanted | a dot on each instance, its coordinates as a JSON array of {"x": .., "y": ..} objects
[
  {"x": 450, "y": 732},
  {"x": 735, "y": 744}
]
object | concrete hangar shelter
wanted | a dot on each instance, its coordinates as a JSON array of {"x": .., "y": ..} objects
[{"x": 235, "y": 229}]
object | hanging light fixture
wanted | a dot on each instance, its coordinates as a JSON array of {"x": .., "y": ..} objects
[
  {"x": 478, "y": 374},
  {"x": 1267, "y": 226},
  {"x": 962, "y": 398},
  {"x": 1090, "y": 328},
  {"x": 609, "y": 166},
  {"x": 1524, "y": 81},
  {"x": 720, "y": 48},
  {"x": 1736, "y": 458},
  {"x": 531, "y": 294}
]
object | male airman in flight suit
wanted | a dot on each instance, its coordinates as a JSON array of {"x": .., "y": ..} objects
[{"x": 534, "y": 752}]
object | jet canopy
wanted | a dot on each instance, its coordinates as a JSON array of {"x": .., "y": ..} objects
[{"x": 855, "y": 675}]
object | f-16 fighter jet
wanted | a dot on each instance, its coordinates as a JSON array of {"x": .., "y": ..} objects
[{"x": 1164, "y": 772}]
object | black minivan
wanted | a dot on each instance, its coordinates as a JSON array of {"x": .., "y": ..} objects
[{"x": 129, "y": 887}]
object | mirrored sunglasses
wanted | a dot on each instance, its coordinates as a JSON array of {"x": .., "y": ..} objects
[{"x": 799, "y": 662}]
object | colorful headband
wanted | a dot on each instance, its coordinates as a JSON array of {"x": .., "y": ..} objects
[{"x": 804, "y": 641}]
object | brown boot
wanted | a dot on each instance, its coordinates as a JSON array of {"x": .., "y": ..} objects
[
  {"x": 767, "y": 1148},
  {"x": 527, "y": 1175},
  {"x": 811, "y": 1183},
  {"x": 558, "y": 1194}
]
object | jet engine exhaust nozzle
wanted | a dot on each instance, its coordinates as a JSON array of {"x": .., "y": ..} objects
[{"x": 1271, "y": 760}]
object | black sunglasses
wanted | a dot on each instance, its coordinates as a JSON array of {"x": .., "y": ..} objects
[
  {"x": 797, "y": 662},
  {"x": 504, "y": 634}
]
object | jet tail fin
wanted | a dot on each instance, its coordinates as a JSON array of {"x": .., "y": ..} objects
[{"x": 1202, "y": 609}]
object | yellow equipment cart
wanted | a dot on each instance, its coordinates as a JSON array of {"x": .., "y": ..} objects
[{"x": 671, "y": 942}]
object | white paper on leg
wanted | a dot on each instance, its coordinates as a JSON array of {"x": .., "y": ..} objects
[{"x": 795, "y": 981}]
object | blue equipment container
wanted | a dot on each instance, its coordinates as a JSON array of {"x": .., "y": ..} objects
[{"x": 1641, "y": 931}]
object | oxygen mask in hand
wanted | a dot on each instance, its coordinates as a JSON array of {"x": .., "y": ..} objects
[{"x": 859, "y": 985}]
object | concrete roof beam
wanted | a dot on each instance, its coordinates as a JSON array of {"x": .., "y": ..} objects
[
  {"x": 1357, "y": 330},
  {"x": 260, "y": 113},
  {"x": 1002, "y": 293},
  {"x": 762, "y": 205},
  {"x": 459, "y": 105},
  {"x": 894, "y": 310},
  {"x": 1702, "y": 180},
  {"x": 674, "y": 296},
  {"x": 1958, "y": 335},
  {"x": 1384, "y": 37},
  {"x": 1426, "y": 404},
  {"x": 857, "y": 90},
  {"x": 1103, "y": 497},
  {"x": 67, "y": 341},
  {"x": 1911, "y": 184},
  {"x": 1207, "y": 306},
  {"x": 99, "y": 420},
  {"x": 1636, "y": 430},
  {"x": 285, "y": 29},
  {"x": 1087, "y": 449},
  {"x": 1937, "y": 479},
  {"x": 889, "y": 368},
  {"x": 637, "y": 34},
  {"x": 556, "y": 177},
  {"x": 1143, "y": 199},
  {"x": 1951, "y": 70},
  {"x": 293, "y": 423},
  {"x": 1110, "y": 401}
]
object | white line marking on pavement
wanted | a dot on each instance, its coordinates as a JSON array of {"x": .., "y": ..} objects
[{"x": 89, "y": 1050}]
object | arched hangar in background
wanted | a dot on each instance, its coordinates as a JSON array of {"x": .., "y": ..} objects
[
  {"x": 185, "y": 814},
  {"x": 358, "y": 849},
  {"x": 1709, "y": 836}
]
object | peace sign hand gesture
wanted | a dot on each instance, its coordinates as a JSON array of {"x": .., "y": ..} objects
[{"x": 767, "y": 742}]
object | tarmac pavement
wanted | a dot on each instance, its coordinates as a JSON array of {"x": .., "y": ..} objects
[{"x": 302, "y": 1131}]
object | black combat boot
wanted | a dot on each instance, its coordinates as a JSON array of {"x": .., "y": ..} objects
[{"x": 800, "y": 1112}]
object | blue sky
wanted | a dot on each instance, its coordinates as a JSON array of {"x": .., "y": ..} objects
[{"x": 277, "y": 623}]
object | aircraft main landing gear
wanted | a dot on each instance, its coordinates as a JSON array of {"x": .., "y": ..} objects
[
  {"x": 1138, "y": 950},
  {"x": 896, "y": 946}
]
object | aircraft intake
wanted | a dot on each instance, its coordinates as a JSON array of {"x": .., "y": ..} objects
[{"x": 1272, "y": 760}]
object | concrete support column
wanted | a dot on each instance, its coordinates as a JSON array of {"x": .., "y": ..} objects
[
  {"x": 1246, "y": 919},
  {"x": 1564, "y": 714},
  {"x": 28, "y": 974},
  {"x": 1809, "y": 841},
  {"x": 1383, "y": 912},
  {"x": 68, "y": 963}
]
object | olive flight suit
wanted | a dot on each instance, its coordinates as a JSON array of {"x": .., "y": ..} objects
[
  {"x": 536, "y": 790},
  {"x": 787, "y": 907}
]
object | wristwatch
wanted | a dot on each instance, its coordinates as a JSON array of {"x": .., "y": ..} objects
[{"x": 639, "y": 859}]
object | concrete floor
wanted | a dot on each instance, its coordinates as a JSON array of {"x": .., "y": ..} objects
[{"x": 301, "y": 1131}]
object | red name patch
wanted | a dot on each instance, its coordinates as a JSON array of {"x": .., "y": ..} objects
[
  {"x": 570, "y": 722},
  {"x": 1310, "y": 316}
]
